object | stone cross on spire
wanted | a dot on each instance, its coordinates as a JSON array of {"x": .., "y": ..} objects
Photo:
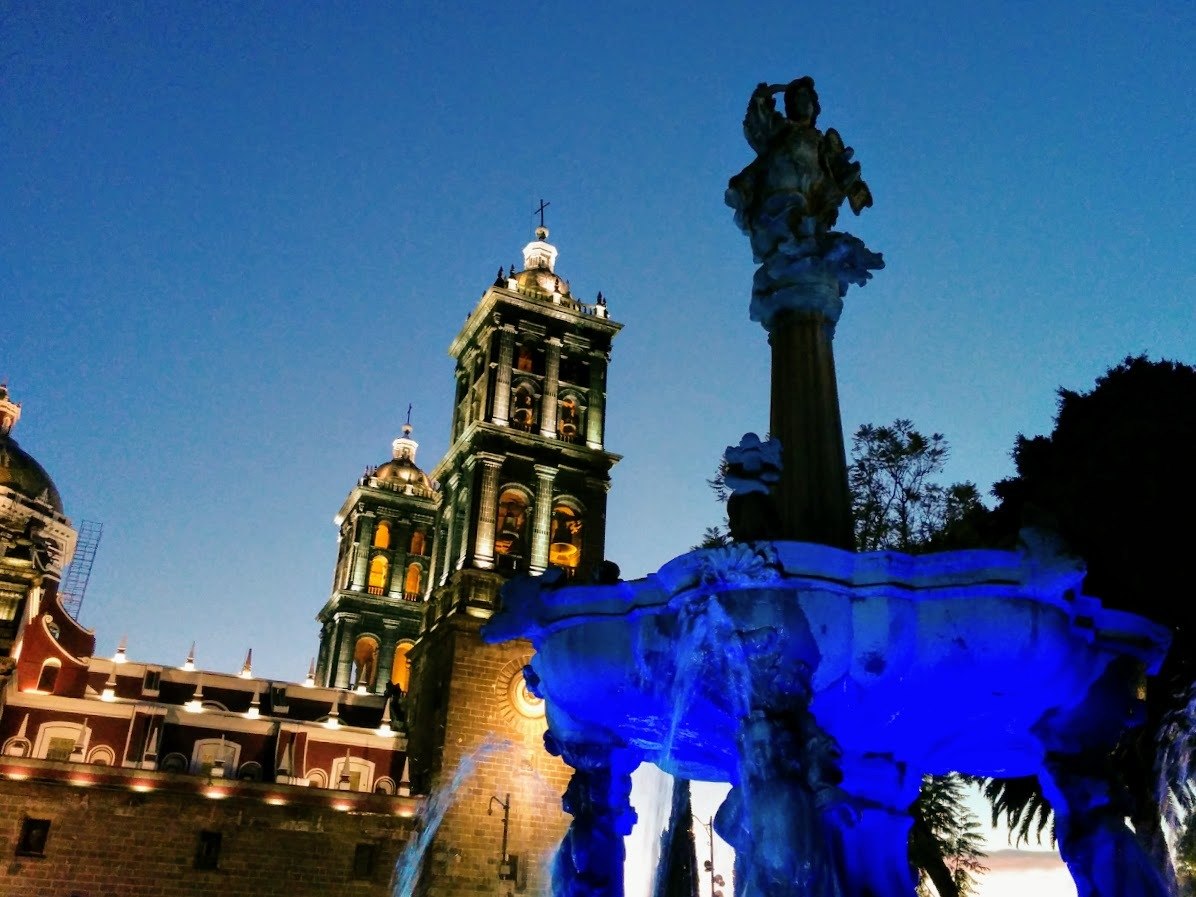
[{"x": 543, "y": 205}]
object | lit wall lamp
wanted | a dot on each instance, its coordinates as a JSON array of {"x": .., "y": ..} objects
[{"x": 508, "y": 864}]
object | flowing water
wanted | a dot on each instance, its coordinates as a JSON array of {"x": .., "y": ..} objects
[{"x": 410, "y": 862}]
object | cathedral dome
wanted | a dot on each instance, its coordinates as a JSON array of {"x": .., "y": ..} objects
[
  {"x": 20, "y": 472},
  {"x": 18, "y": 469}
]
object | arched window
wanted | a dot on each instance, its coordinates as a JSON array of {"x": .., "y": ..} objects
[
  {"x": 382, "y": 535},
  {"x": 524, "y": 360},
  {"x": 400, "y": 670},
  {"x": 568, "y": 418},
  {"x": 412, "y": 583},
  {"x": 365, "y": 661},
  {"x": 379, "y": 575},
  {"x": 418, "y": 541},
  {"x": 523, "y": 408},
  {"x": 565, "y": 538},
  {"x": 48, "y": 677},
  {"x": 511, "y": 526}
]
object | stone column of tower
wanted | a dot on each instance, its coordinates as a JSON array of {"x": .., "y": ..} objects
[{"x": 500, "y": 486}]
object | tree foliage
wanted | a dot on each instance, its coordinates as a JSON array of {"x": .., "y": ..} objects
[
  {"x": 1116, "y": 480},
  {"x": 896, "y": 503},
  {"x": 946, "y": 843}
]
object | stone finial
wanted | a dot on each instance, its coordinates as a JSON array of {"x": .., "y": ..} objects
[
  {"x": 189, "y": 663},
  {"x": 247, "y": 667}
]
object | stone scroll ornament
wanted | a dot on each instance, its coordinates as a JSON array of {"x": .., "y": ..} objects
[{"x": 787, "y": 202}]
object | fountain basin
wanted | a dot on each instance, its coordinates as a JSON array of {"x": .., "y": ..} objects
[{"x": 957, "y": 661}]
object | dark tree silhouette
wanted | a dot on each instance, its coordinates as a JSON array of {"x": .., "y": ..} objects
[{"x": 1116, "y": 479}]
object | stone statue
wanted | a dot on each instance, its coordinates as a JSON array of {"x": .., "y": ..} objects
[{"x": 787, "y": 202}]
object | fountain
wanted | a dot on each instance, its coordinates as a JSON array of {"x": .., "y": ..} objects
[{"x": 827, "y": 682}]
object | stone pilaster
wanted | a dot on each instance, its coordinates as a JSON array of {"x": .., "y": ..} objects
[
  {"x": 596, "y": 402},
  {"x": 502, "y": 376},
  {"x": 364, "y": 523},
  {"x": 483, "y": 552},
  {"x": 346, "y": 637},
  {"x": 552, "y": 375},
  {"x": 542, "y": 522},
  {"x": 386, "y": 655}
]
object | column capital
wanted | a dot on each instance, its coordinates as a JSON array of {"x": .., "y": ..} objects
[
  {"x": 346, "y": 617},
  {"x": 543, "y": 471},
  {"x": 490, "y": 459}
]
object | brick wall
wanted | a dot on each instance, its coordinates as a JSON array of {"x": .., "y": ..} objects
[
  {"x": 120, "y": 844},
  {"x": 481, "y": 723}
]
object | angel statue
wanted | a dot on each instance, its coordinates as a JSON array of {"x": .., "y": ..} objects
[{"x": 787, "y": 202}]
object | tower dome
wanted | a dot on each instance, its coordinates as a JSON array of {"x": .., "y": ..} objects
[
  {"x": 401, "y": 471},
  {"x": 19, "y": 471}
]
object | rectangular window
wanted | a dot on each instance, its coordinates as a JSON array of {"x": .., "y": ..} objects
[
  {"x": 207, "y": 851},
  {"x": 60, "y": 749},
  {"x": 34, "y": 834},
  {"x": 152, "y": 683},
  {"x": 364, "y": 858}
]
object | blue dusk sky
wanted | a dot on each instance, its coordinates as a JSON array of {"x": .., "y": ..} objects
[{"x": 236, "y": 241}]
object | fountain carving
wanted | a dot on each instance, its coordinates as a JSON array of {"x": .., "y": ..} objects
[{"x": 822, "y": 684}]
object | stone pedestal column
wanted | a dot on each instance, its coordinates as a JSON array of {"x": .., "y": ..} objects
[
  {"x": 502, "y": 376},
  {"x": 589, "y": 862},
  {"x": 552, "y": 375},
  {"x": 812, "y": 497},
  {"x": 542, "y": 521},
  {"x": 483, "y": 550}
]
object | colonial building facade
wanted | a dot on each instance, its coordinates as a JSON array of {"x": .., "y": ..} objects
[{"x": 134, "y": 778}]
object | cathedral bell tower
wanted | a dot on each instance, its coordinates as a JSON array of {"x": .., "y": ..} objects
[
  {"x": 526, "y": 477},
  {"x": 383, "y": 572},
  {"x": 524, "y": 486}
]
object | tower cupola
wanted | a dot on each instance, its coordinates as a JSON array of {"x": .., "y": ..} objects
[{"x": 540, "y": 253}]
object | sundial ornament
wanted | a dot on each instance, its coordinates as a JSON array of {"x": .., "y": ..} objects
[{"x": 787, "y": 201}]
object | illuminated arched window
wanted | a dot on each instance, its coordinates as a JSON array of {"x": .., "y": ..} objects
[
  {"x": 417, "y": 542},
  {"x": 565, "y": 538},
  {"x": 523, "y": 408},
  {"x": 524, "y": 360},
  {"x": 412, "y": 582},
  {"x": 568, "y": 418},
  {"x": 382, "y": 535},
  {"x": 379, "y": 575},
  {"x": 510, "y": 531},
  {"x": 400, "y": 670},
  {"x": 365, "y": 661}
]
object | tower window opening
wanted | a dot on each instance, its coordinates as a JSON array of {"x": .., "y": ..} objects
[
  {"x": 418, "y": 543},
  {"x": 568, "y": 423},
  {"x": 382, "y": 535},
  {"x": 365, "y": 661},
  {"x": 412, "y": 582},
  {"x": 565, "y": 538},
  {"x": 400, "y": 670},
  {"x": 523, "y": 404},
  {"x": 379, "y": 575},
  {"x": 511, "y": 525},
  {"x": 524, "y": 361}
]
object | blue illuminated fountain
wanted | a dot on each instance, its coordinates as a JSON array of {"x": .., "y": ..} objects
[{"x": 822, "y": 684}]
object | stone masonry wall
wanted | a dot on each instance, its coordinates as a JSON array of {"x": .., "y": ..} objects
[
  {"x": 483, "y": 723},
  {"x": 119, "y": 844}
]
